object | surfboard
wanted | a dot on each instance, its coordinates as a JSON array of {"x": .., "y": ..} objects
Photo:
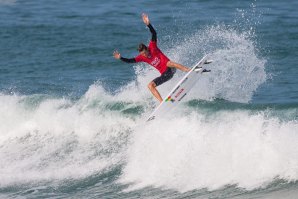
[{"x": 179, "y": 91}]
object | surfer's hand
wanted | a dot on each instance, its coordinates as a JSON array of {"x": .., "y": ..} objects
[
  {"x": 145, "y": 19},
  {"x": 116, "y": 54}
]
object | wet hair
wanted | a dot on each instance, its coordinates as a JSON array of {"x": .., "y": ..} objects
[{"x": 142, "y": 47}]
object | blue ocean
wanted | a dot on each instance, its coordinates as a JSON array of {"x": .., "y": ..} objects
[{"x": 72, "y": 118}]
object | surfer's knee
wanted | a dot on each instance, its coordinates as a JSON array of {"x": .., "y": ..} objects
[
  {"x": 170, "y": 64},
  {"x": 151, "y": 85}
]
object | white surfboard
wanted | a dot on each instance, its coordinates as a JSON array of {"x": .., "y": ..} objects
[{"x": 180, "y": 90}]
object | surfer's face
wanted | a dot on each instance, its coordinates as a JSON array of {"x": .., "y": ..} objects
[{"x": 145, "y": 53}]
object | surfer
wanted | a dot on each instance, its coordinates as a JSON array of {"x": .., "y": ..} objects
[{"x": 152, "y": 55}]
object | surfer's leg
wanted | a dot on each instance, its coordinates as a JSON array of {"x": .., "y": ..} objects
[
  {"x": 166, "y": 76},
  {"x": 154, "y": 91},
  {"x": 178, "y": 66}
]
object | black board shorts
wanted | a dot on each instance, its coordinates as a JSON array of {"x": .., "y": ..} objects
[{"x": 166, "y": 76}]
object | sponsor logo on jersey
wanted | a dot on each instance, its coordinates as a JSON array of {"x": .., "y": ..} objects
[{"x": 155, "y": 62}]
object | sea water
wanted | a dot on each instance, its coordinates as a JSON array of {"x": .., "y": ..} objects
[{"x": 72, "y": 117}]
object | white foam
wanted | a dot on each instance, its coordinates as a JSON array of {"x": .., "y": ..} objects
[
  {"x": 57, "y": 139},
  {"x": 194, "y": 152}
]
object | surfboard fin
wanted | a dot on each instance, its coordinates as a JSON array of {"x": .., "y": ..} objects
[
  {"x": 206, "y": 71},
  {"x": 198, "y": 68},
  {"x": 208, "y": 61}
]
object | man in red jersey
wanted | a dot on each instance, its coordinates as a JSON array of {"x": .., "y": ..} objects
[{"x": 153, "y": 56}]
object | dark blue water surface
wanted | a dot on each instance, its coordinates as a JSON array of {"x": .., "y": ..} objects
[
  {"x": 70, "y": 113},
  {"x": 62, "y": 47}
]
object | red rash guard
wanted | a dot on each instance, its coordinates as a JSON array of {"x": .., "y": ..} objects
[{"x": 156, "y": 58}]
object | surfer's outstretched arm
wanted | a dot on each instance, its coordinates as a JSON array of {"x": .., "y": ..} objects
[
  {"x": 127, "y": 60},
  {"x": 147, "y": 22},
  {"x": 153, "y": 32}
]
